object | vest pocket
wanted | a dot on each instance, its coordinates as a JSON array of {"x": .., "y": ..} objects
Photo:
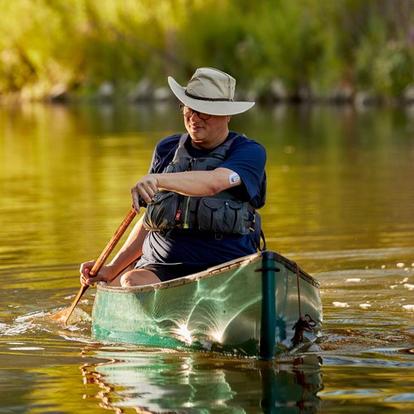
[
  {"x": 161, "y": 212},
  {"x": 222, "y": 216}
]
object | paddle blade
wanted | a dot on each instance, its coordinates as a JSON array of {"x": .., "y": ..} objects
[{"x": 65, "y": 314}]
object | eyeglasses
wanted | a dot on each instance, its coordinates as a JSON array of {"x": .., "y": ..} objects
[{"x": 188, "y": 113}]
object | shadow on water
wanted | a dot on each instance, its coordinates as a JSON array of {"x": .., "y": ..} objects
[{"x": 154, "y": 382}]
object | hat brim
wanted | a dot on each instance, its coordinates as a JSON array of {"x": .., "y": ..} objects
[{"x": 208, "y": 107}]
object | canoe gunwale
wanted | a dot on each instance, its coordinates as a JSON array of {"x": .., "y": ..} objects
[
  {"x": 210, "y": 272},
  {"x": 293, "y": 266}
]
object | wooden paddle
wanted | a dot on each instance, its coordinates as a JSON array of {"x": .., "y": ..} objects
[{"x": 65, "y": 315}]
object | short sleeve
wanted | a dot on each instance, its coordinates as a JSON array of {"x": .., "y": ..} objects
[
  {"x": 248, "y": 158},
  {"x": 163, "y": 154}
]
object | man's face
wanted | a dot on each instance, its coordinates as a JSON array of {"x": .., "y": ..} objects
[{"x": 206, "y": 131}]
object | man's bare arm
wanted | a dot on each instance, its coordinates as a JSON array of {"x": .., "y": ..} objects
[
  {"x": 127, "y": 254},
  {"x": 132, "y": 248},
  {"x": 190, "y": 183}
]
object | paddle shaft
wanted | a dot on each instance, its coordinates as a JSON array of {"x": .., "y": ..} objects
[{"x": 102, "y": 258}]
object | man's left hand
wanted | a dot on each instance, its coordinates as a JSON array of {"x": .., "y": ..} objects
[{"x": 144, "y": 189}]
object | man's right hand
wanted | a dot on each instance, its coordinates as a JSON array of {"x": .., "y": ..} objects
[
  {"x": 106, "y": 273},
  {"x": 144, "y": 190}
]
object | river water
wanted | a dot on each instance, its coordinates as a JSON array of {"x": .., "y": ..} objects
[{"x": 340, "y": 203}]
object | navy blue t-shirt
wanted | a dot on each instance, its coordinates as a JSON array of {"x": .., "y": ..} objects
[{"x": 193, "y": 248}]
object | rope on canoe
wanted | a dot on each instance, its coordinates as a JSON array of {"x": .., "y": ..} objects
[
  {"x": 298, "y": 285},
  {"x": 304, "y": 323}
]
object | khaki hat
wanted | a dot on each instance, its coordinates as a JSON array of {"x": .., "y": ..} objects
[{"x": 210, "y": 91}]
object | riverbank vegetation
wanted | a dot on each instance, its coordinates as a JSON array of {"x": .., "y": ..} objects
[{"x": 306, "y": 50}]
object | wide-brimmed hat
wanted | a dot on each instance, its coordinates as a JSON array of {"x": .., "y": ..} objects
[{"x": 210, "y": 91}]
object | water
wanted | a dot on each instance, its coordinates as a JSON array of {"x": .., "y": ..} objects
[{"x": 341, "y": 196}]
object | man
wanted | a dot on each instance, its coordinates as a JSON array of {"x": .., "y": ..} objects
[{"x": 201, "y": 192}]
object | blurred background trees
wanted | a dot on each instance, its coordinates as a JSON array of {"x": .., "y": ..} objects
[{"x": 277, "y": 49}]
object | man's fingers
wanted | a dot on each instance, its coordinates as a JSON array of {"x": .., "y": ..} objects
[
  {"x": 145, "y": 189},
  {"x": 84, "y": 279},
  {"x": 140, "y": 190},
  {"x": 86, "y": 267},
  {"x": 88, "y": 281},
  {"x": 146, "y": 194},
  {"x": 135, "y": 200},
  {"x": 85, "y": 271},
  {"x": 153, "y": 187},
  {"x": 93, "y": 280}
]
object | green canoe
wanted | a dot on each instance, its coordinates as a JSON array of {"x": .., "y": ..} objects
[{"x": 258, "y": 305}]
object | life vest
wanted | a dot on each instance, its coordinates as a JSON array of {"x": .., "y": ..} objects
[{"x": 221, "y": 214}]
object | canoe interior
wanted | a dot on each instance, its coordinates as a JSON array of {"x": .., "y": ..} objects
[{"x": 218, "y": 309}]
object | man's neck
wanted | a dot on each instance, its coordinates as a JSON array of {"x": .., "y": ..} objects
[{"x": 213, "y": 143}]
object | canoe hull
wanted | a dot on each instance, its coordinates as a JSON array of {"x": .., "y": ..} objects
[{"x": 226, "y": 308}]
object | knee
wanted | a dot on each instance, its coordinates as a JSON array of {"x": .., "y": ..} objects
[
  {"x": 127, "y": 280},
  {"x": 138, "y": 278}
]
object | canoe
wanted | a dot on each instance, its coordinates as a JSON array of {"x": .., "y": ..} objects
[{"x": 259, "y": 305}]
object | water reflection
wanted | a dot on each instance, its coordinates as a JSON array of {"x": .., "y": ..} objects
[
  {"x": 157, "y": 381},
  {"x": 340, "y": 202}
]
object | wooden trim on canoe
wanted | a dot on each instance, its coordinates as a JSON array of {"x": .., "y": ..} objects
[{"x": 212, "y": 271}]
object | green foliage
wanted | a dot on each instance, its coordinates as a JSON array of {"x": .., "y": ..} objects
[{"x": 312, "y": 44}]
